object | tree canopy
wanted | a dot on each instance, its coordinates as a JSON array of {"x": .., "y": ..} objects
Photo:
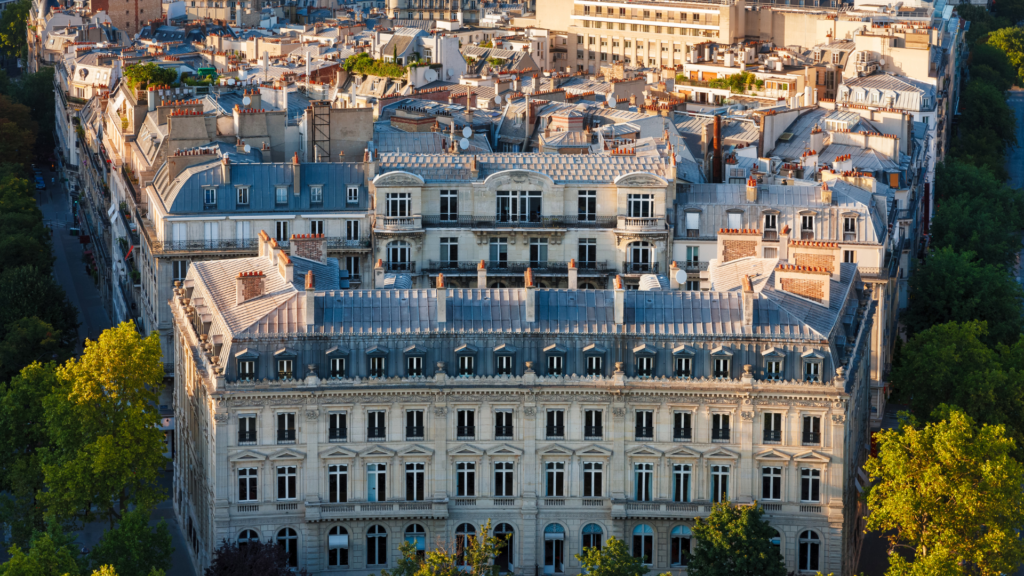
[
  {"x": 735, "y": 541},
  {"x": 989, "y": 225},
  {"x": 956, "y": 287},
  {"x": 12, "y": 27},
  {"x": 133, "y": 547},
  {"x": 950, "y": 493},
  {"x": 105, "y": 448},
  {"x": 612, "y": 559},
  {"x": 140, "y": 76},
  {"x": 1011, "y": 41}
]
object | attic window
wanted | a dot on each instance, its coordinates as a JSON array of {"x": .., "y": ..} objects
[{"x": 786, "y": 136}]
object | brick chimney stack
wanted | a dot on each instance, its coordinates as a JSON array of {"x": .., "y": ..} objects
[
  {"x": 481, "y": 275},
  {"x": 296, "y": 175},
  {"x": 620, "y": 300},
  {"x": 442, "y": 299},
  {"x": 309, "y": 246},
  {"x": 716, "y": 159},
  {"x": 531, "y": 296},
  {"x": 248, "y": 285},
  {"x": 748, "y": 301},
  {"x": 573, "y": 275}
]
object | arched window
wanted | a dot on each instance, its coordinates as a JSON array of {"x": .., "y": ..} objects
[
  {"x": 417, "y": 536},
  {"x": 505, "y": 559},
  {"x": 593, "y": 536},
  {"x": 288, "y": 540},
  {"x": 776, "y": 540},
  {"x": 463, "y": 534},
  {"x": 810, "y": 550},
  {"x": 247, "y": 536},
  {"x": 640, "y": 256},
  {"x": 586, "y": 286},
  {"x": 337, "y": 547},
  {"x": 643, "y": 543},
  {"x": 376, "y": 546},
  {"x": 498, "y": 284},
  {"x": 554, "y": 549},
  {"x": 680, "y": 546},
  {"x": 398, "y": 255}
]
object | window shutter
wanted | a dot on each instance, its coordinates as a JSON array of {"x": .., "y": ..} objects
[{"x": 692, "y": 221}]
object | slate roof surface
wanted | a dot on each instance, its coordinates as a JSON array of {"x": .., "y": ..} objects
[
  {"x": 559, "y": 167},
  {"x": 666, "y": 312},
  {"x": 801, "y": 131}
]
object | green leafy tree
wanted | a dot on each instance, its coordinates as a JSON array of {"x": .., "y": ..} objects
[
  {"x": 987, "y": 224},
  {"x": 28, "y": 340},
  {"x": 988, "y": 109},
  {"x": 251, "y": 558},
  {"x": 735, "y": 541},
  {"x": 950, "y": 494},
  {"x": 27, "y": 291},
  {"x": 955, "y": 287},
  {"x": 22, "y": 435},
  {"x": 36, "y": 92},
  {"x": 951, "y": 364},
  {"x": 955, "y": 178},
  {"x": 12, "y": 27},
  {"x": 50, "y": 553},
  {"x": 140, "y": 76},
  {"x": 133, "y": 547},
  {"x": 990, "y": 64},
  {"x": 613, "y": 559},
  {"x": 1011, "y": 41},
  {"x": 106, "y": 451}
]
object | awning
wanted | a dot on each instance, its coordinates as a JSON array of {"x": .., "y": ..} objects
[
  {"x": 554, "y": 535},
  {"x": 337, "y": 542}
]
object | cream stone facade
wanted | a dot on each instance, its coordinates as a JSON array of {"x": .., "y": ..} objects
[{"x": 341, "y": 423}]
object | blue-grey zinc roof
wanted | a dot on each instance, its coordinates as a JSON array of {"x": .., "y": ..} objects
[{"x": 187, "y": 195}]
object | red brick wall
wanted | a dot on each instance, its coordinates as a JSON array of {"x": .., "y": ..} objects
[
  {"x": 826, "y": 261},
  {"x": 736, "y": 249},
  {"x": 252, "y": 287},
  {"x": 812, "y": 289},
  {"x": 309, "y": 248}
]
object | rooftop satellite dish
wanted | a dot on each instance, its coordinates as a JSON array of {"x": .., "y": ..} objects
[
  {"x": 497, "y": 98},
  {"x": 247, "y": 148},
  {"x": 246, "y": 101},
  {"x": 612, "y": 101},
  {"x": 467, "y": 132},
  {"x": 681, "y": 276},
  {"x": 231, "y": 81},
  {"x": 463, "y": 143}
]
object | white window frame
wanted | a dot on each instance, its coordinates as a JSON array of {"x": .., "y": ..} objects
[
  {"x": 771, "y": 483},
  {"x": 316, "y": 194},
  {"x": 810, "y": 485},
  {"x": 289, "y": 473},
  {"x": 248, "y": 484},
  {"x": 465, "y": 479},
  {"x": 554, "y": 479},
  {"x": 593, "y": 480},
  {"x": 352, "y": 194}
]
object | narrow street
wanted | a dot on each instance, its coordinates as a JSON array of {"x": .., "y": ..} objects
[
  {"x": 874, "y": 556},
  {"x": 69, "y": 270}
]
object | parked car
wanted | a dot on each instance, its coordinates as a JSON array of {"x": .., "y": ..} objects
[{"x": 40, "y": 184}]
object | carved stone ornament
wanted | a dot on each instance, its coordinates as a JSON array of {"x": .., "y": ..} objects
[
  {"x": 221, "y": 417},
  {"x": 440, "y": 411},
  {"x": 619, "y": 412},
  {"x": 747, "y": 415},
  {"x": 639, "y": 180},
  {"x": 530, "y": 411},
  {"x": 312, "y": 414},
  {"x": 398, "y": 179},
  {"x": 838, "y": 418},
  {"x": 441, "y": 367}
]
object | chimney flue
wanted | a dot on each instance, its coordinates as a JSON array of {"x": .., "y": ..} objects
[
  {"x": 716, "y": 161},
  {"x": 442, "y": 299}
]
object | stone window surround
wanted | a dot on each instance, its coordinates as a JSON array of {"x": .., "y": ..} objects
[{"x": 773, "y": 354}]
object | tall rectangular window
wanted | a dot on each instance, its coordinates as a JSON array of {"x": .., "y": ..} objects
[
  {"x": 351, "y": 230},
  {"x": 337, "y": 483},
  {"x": 555, "y": 364},
  {"x": 414, "y": 424},
  {"x": 352, "y": 265},
  {"x": 644, "y": 366},
  {"x": 376, "y": 482},
  {"x": 337, "y": 427},
  {"x": 449, "y": 252},
  {"x": 555, "y": 424},
  {"x": 449, "y": 205},
  {"x": 773, "y": 369},
  {"x": 499, "y": 252},
  {"x": 810, "y": 485},
  {"x": 807, "y": 227},
  {"x": 316, "y": 227},
  {"x": 504, "y": 365},
  {"x": 812, "y": 430},
  {"x": 682, "y": 427},
  {"x": 248, "y": 479},
  {"x": 243, "y": 195},
  {"x": 594, "y": 366},
  {"x": 467, "y": 365},
  {"x": 681, "y": 482},
  {"x": 644, "y": 425},
  {"x": 640, "y": 205},
  {"x": 378, "y": 367},
  {"x": 376, "y": 427},
  {"x": 210, "y": 197},
  {"x": 719, "y": 427},
  {"x": 772, "y": 427},
  {"x": 287, "y": 478},
  {"x": 398, "y": 204},
  {"x": 281, "y": 231},
  {"x": 415, "y": 481},
  {"x": 692, "y": 224},
  {"x": 246, "y": 370},
  {"x": 179, "y": 269},
  {"x": 466, "y": 424},
  {"x": 643, "y": 481},
  {"x": 593, "y": 479},
  {"x": 414, "y": 365},
  {"x": 771, "y": 483},
  {"x": 587, "y": 253},
  {"x": 538, "y": 252},
  {"x": 465, "y": 478},
  {"x": 719, "y": 483},
  {"x": 337, "y": 367},
  {"x": 554, "y": 484},
  {"x": 587, "y": 206},
  {"x": 285, "y": 369},
  {"x": 593, "y": 425},
  {"x": 503, "y": 479},
  {"x": 316, "y": 194},
  {"x": 281, "y": 196},
  {"x": 286, "y": 428},
  {"x": 352, "y": 194},
  {"x": 503, "y": 425},
  {"x": 684, "y": 366},
  {"x": 246, "y": 429}
]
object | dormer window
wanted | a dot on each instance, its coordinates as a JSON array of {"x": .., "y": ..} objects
[
  {"x": 316, "y": 194},
  {"x": 773, "y": 360},
  {"x": 246, "y": 370},
  {"x": 849, "y": 229},
  {"x": 337, "y": 367},
  {"x": 378, "y": 361},
  {"x": 466, "y": 366},
  {"x": 722, "y": 367},
  {"x": 352, "y": 194},
  {"x": 209, "y": 198},
  {"x": 684, "y": 366},
  {"x": 285, "y": 369},
  {"x": 281, "y": 196},
  {"x": 243, "y": 195},
  {"x": 812, "y": 371}
]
